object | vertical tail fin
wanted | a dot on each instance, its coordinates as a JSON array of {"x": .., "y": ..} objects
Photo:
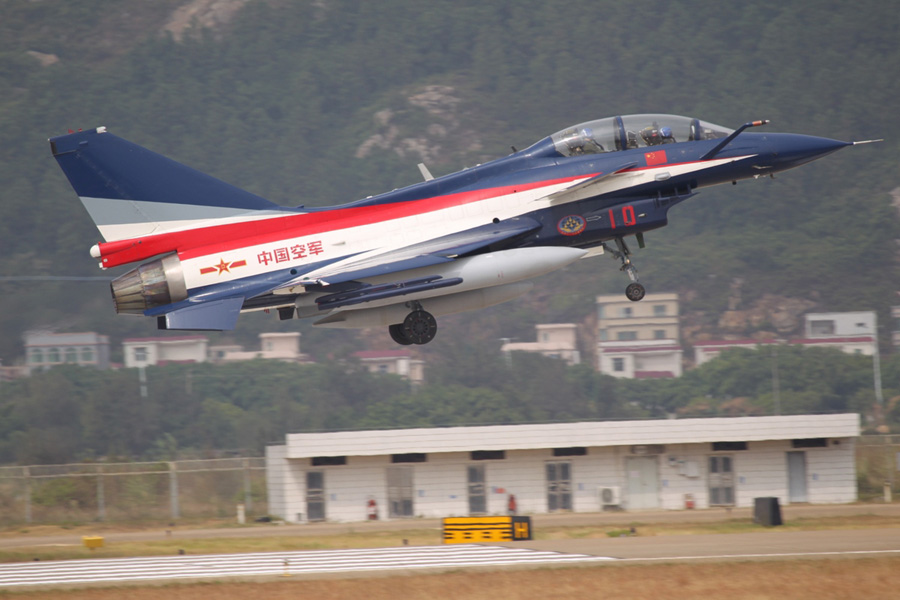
[{"x": 130, "y": 191}]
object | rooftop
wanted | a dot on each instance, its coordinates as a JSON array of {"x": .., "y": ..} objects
[{"x": 567, "y": 435}]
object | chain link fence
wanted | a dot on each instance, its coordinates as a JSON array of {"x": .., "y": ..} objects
[
  {"x": 877, "y": 463},
  {"x": 151, "y": 491}
]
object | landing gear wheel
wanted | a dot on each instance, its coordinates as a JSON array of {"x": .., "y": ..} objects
[
  {"x": 635, "y": 291},
  {"x": 398, "y": 334},
  {"x": 419, "y": 327}
]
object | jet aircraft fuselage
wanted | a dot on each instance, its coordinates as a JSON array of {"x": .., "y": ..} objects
[{"x": 462, "y": 241}]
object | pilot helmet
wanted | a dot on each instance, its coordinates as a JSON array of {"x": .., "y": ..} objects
[{"x": 666, "y": 132}]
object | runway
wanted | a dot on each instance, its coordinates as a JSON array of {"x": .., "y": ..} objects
[{"x": 148, "y": 569}]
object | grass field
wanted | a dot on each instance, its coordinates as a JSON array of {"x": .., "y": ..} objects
[{"x": 872, "y": 579}]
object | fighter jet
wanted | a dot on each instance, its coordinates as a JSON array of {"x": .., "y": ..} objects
[{"x": 463, "y": 241}]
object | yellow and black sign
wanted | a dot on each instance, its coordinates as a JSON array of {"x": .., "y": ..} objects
[{"x": 472, "y": 530}]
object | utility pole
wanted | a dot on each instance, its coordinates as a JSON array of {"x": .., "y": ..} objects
[
  {"x": 507, "y": 355},
  {"x": 776, "y": 391},
  {"x": 876, "y": 366}
]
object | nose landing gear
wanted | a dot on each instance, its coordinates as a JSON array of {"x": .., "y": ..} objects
[
  {"x": 635, "y": 291},
  {"x": 419, "y": 327}
]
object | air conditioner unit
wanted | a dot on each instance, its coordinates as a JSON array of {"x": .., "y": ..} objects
[{"x": 610, "y": 496}]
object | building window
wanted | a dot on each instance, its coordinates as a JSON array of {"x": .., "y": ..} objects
[
  {"x": 37, "y": 356},
  {"x": 140, "y": 354},
  {"x": 488, "y": 454},
  {"x": 728, "y": 446},
  {"x": 810, "y": 443},
  {"x": 821, "y": 327},
  {"x": 600, "y": 315},
  {"x": 410, "y": 457},
  {"x": 53, "y": 355},
  {"x": 603, "y": 335},
  {"x": 626, "y": 336},
  {"x": 71, "y": 355},
  {"x": 87, "y": 354},
  {"x": 575, "y": 451},
  {"x": 328, "y": 461},
  {"x": 659, "y": 310},
  {"x": 382, "y": 368},
  {"x": 626, "y": 312},
  {"x": 618, "y": 364},
  {"x": 659, "y": 334}
]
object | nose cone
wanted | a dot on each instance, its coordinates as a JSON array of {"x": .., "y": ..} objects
[{"x": 791, "y": 150}]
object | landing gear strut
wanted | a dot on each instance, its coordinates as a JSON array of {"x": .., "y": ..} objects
[
  {"x": 419, "y": 327},
  {"x": 635, "y": 291}
]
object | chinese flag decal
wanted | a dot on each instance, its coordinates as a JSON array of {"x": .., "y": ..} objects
[{"x": 657, "y": 157}]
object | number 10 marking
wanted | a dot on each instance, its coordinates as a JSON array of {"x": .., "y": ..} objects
[{"x": 627, "y": 216}]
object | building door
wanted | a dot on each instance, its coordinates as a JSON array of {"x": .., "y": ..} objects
[
  {"x": 559, "y": 486},
  {"x": 315, "y": 495},
  {"x": 477, "y": 497},
  {"x": 721, "y": 481},
  {"x": 797, "y": 477},
  {"x": 400, "y": 491},
  {"x": 643, "y": 482}
]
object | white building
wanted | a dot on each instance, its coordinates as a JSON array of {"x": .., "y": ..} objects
[
  {"x": 850, "y": 332},
  {"x": 273, "y": 346},
  {"x": 44, "y": 349},
  {"x": 146, "y": 352},
  {"x": 840, "y": 324},
  {"x": 395, "y": 362},
  {"x": 554, "y": 340},
  {"x": 653, "y": 318},
  {"x": 638, "y": 339},
  {"x": 580, "y": 467},
  {"x": 650, "y": 359}
]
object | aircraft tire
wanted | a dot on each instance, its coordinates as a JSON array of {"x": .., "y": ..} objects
[
  {"x": 399, "y": 335},
  {"x": 419, "y": 327},
  {"x": 635, "y": 292}
]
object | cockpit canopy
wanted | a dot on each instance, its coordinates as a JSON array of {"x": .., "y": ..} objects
[{"x": 633, "y": 131}]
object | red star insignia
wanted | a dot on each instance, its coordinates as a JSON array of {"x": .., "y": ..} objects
[{"x": 223, "y": 266}]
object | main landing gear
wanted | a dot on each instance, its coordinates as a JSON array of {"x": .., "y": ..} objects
[
  {"x": 419, "y": 327},
  {"x": 635, "y": 291}
]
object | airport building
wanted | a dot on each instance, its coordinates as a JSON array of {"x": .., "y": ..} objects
[{"x": 580, "y": 467}]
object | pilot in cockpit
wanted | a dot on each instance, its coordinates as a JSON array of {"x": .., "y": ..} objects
[
  {"x": 652, "y": 135},
  {"x": 666, "y": 134},
  {"x": 583, "y": 142}
]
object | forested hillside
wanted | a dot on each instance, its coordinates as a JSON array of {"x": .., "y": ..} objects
[
  {"x": 321, "y": 102},
  {"x": 72, "y": 414}
]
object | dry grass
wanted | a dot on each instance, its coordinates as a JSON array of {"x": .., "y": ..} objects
[
  {"x": 725, "y": 526},
  {"x": 873, "y": 579},
  {"x": 255, "y": 540}
]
